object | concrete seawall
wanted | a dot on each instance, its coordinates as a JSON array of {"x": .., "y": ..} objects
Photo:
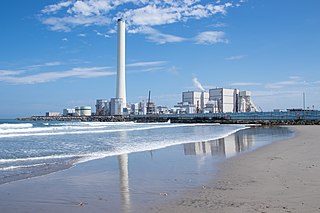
[{"x": 174, "y": 119}]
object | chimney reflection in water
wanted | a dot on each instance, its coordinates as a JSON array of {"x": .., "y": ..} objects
[{"x": 124, "y": 176}]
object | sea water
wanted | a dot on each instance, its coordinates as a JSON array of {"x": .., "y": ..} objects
[{"x": 34, "y": 148}]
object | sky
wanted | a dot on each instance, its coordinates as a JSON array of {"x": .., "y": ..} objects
[{"x": 62, "y": 54}]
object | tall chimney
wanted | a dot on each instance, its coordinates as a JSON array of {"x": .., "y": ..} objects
[{"x": 121, "y": 74}]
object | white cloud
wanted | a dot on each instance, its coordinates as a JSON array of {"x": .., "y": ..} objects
[
  {"x": 10, "y": 72},
  {"x": 66, "y": 23},
  {"x": 245, "y": 84},
  {"x": 91, "y": 7},
  {"x": 219, "y": 24},
  {"x": 66, "y": 15},
  {"x": 79, "y": 72},
  {"x": 236, "y": 57},
  {"x": 161, "y": 38},
  {"x": 47, "y": 64},
  {"x": 56, "y": 7},
  {"x": 211, "y": 37},
  {"x": 101, "y": 34},
  {"x": 151, "y": 69},
  {"x": 282, "y": 84},
  {"x": 155, "y": 36},
  {"x": 144, "y": 64},
  {"x": 151, "y": 15}
]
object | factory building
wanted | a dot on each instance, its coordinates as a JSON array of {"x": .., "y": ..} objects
[
  {"x": 102, "y": 107},
  {"x": 231, "y": 100},
  {"x": 69, "y": 112},
  {"x": 196, "y": 98},
  {"x": 162, "y": 110},
  {"x": 184, "y": 108},
  {"x": 53, "y": 114},
  {"x": 245, "y": 102},
  {"x": 135, "y": 109},
  {"x": 116, "y": 106},
  {"x": 83, "y": 111},
  {"x": 225, "y": 100},
  {"x": 151, "y": 107},
  {"x": 218, "y": 100}
]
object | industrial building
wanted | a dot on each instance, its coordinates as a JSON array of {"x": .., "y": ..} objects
[
  {"x": 53, "y": 114},
  {"x": 116, "y": 106},
  {"x": 83, "y": 111},
  {"x": 245, "y": 102},
  {"x": 224, "y": 100},
  {"x": 102, "y": 107},
  {"x": 69, "y": 112},
  {"x": 184, "y": 108},
  {"x": 218, "y": 100},
  {"x": 231, "y": 100},
  {"x": 197, "y": 99}
]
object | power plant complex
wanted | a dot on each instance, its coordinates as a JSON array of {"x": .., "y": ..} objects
[
  {"x": 214, "y": 101},
  {"x": 230, "y": 105},
  {"x": 218, "y": 100}
]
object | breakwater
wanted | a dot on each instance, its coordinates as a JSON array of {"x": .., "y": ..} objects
[{"x": 263, "y": 118}]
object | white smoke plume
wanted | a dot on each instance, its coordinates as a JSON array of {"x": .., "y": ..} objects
[{"x": 197, "y": 84}]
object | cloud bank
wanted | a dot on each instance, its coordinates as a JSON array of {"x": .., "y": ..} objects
[{"x": 23, "y": 77}]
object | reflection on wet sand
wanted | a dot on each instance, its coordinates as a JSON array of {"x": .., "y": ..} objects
[
  {"x": 124, "y": 177},
  {"x": 221, "y": 148},
  {"x": 124, "y": 182},
  {"x": 227, "y": 147}
]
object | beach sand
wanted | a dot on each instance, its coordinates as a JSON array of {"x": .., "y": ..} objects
[{"x": 281, "y": 177}]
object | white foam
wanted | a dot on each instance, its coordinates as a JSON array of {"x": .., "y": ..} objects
[
  {"x": 15, "y": 126},
  {"x": 21, "y": 167},
  {"x": 151, "y": 146},
  {"x": 50, "y": 157},
  {"x": 68, "y": 130},
  {"x": 126, "y": 148}
]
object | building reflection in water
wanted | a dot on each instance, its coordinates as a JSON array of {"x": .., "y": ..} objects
[
  {"x": 226, "y": 147},
  {"x": 124, "y": 176}
]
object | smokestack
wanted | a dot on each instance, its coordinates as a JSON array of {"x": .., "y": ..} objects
[{"x": 121, "y": 73}]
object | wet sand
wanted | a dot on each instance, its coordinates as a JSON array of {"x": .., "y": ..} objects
[
  {"x": 175, "y": 179},
  {"x": 281, "y": 177}
]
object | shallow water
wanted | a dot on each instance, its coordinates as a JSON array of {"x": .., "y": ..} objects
[
  {"x": 134, "y": 182},
  {"x": 30, "y": 149}
]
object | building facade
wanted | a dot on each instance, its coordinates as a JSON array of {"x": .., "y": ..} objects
[{"x": 196, "y": 98}]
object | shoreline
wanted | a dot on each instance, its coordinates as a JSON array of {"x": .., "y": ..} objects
[
  {"x": 279, "y": 177},
  {"x": 114, "y": 184}
]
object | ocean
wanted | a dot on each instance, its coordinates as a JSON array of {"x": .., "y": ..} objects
[{"x": 29, "y": 149}]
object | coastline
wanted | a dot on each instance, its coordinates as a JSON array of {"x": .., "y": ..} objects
[
  {"x": 137, "y": 182},
  {"x": 280, "y": 177}
]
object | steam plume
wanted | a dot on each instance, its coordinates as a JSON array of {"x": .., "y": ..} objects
[{"x": 197, "y": 84}]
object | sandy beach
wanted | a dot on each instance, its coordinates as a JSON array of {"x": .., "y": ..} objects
[{"x": 281, "y": 177}]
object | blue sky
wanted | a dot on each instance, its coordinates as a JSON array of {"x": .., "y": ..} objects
[{"x": 59, "y": 54}]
